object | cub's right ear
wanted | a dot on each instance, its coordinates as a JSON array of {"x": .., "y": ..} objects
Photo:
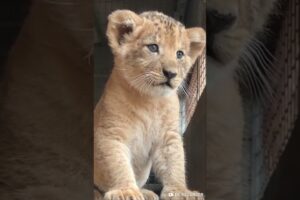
[
  {"x": 197, "y": 38},
  {"x": 121, "y": 24}
]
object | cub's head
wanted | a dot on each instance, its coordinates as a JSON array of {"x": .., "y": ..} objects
[
  {"x": 153, "y": 52},
  {"x": 232, "y": 23}
]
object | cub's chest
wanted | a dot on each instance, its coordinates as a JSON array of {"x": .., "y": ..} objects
[
  {"x": 150, "y": 126},
  {"x": 152, "y": 122},
  {"x": 148, "y": 131}
]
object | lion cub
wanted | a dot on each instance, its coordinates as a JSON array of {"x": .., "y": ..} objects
[{"x": 136, "y": 122}]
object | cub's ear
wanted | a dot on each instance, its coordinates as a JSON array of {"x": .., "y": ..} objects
[
  {"x": 121, "y": 24},
  {"x": 197, "y": 38}
]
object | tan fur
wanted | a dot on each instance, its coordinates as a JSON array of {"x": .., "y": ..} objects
[{"x": 136, "y": 121}]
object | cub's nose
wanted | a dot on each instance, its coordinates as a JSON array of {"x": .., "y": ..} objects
[{"x": 168, "y": 74}]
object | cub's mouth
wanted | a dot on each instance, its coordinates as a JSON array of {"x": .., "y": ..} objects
[
  {"x": 164, "y": 84},
  {"x": 167, "y": 84}
]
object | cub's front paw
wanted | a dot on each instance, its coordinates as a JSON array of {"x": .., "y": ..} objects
[
  {"x": 180, "y": 194},
  {"x": 124, "y": 194},
  {"x": 149, "y": 195}
]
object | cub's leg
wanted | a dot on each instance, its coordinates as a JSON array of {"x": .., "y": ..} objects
[
  {"x": 169, "y": 167},
  {"x": 113, "y": 172}
]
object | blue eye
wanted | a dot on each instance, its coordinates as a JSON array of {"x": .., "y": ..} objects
[
  {"x": 153, "y": 48},
  {"x": 179, "y": 54}
]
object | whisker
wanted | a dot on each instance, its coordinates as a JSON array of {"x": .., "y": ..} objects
[
  {"x": 261, "y": 83},
  {"x": 256, "y": 41},
  {"x": 184, "y": 89},
  {"x": 248, "y": 74}
]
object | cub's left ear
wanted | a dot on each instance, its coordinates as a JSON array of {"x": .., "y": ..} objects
[{"x": 197, "y": 38}]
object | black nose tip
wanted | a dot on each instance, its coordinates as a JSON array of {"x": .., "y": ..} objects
[
  {"x": 169, "y": 75},
  {"x": 217, "y": 22}
]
